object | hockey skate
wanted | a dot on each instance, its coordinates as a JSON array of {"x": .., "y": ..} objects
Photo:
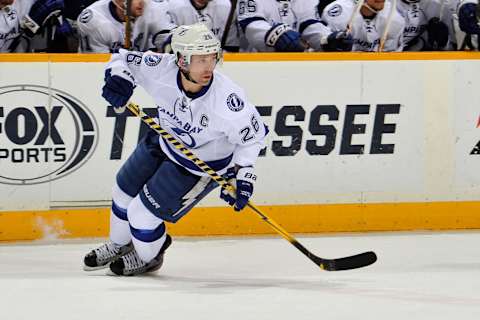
[
  {"x": 131, "y": 264},
  {"x": 101, "y": 257}
]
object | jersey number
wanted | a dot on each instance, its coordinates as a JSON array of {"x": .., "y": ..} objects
[
  {"x": 247, "y": 6},
  {"x": 247, "y": 133}
]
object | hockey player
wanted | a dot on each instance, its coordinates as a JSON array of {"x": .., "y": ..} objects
[
  {"x": 198, "y": 106},
  {"x": 66, "y": 38},
  {"x": 101, "y": 25},
  {"x": 213, "y": 13},
  {"x": 468, "y": 24},
  {"x": 427, "y": 25},
  {"x": 21, "y": 20},
  {"x": 287, "y": 25},
  {"x": 369, "y": 25},
  {"x": 11, "y": 13}
]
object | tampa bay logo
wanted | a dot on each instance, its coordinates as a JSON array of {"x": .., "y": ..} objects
[{"x": 45, "y": 134}]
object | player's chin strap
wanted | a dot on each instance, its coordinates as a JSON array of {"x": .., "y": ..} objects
[
  {"x": 183, "y": 66},
  {"x": 187, "y": 75},
  {"x": 346, "y": 263},
  {"x": 370, "y": 8},
  {"x": 125, "y": 9}
]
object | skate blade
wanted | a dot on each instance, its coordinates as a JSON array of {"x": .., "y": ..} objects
[
  {"x": 111, "y": 273},
  {"x": 87, "y": 268}
]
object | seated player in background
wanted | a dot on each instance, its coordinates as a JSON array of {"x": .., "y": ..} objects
[
  {"x": 467, "y": 24},
  {"x": 428, "y": 25},
  {"x": 369, "y": 25},
  {"x": 21, "y": 20},
  {"x": 66, "y": 38},
  {"x": 213, "y": 13},
  {"x": 102, "y": 25},
  {"x": 198, "y": 106},
  {"x": 286, "y": 26}
]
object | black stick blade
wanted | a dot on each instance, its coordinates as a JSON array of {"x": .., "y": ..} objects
[{"x": 347, "y": 263}]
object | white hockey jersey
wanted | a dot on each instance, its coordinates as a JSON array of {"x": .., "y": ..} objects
[
  {"x": 218, "y": 124},
  {"x": 101, "y": 30},
  {"x": 10, "y": 18},
  {"x": 214, "y": 15},
  {"x": 415, "y": 23},
  {"x": 366, "y": 32},
  {"x": 417, "y": 13},
  {"x": 256, "y": 18}
]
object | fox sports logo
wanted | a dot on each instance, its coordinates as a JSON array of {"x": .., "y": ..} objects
[{"x": 45, "y": 134}]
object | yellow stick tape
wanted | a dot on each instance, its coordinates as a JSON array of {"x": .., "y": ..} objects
[{"x": 78, "y": 223}]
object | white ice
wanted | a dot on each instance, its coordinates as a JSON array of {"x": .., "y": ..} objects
[{"x": 418, "y": 276}]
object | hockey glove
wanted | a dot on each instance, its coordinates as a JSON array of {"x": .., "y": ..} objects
[
  {"x": 437, "y": 33},
  {"x": 243, "y": 181},
  {"x": 65, "y": 29},
  {"x": 39, "y": 14},
  {"x": 116, "y": 90},
  {"x": 468, "y": 20},
  {"x": 338, "y": 41},
  {"x": 284, "y": 39}
]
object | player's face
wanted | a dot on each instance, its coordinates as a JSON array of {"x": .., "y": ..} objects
[
  {"x": 376, "y": 4},
  {"x": 201, "y": 68},
  {"x": 4, "y": 3},
  {"x": 200, "y": 3},
  {"x": 137, "y": 7}
]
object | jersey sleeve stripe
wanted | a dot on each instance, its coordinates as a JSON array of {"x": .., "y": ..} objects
[
  {"x": 245, "y": 22},
  {"x": 304, "y": 25}
]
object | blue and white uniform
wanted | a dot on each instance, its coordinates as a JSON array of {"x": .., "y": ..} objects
[
  {"x": 157, "y": 183},
  {"x": 466, "y": 24},
  {"x": 101, "y": 30},
  {"x": 417, "y": 14},
  {"x": 10, "y": 24},
  {"x": 218, "y": 124},
  {"x": 214, "y": 15},
  {"x": 366, "y": 31},
  {"x": 257, "y": 17}
]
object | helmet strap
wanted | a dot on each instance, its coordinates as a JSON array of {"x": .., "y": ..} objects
[
  {"x": 183, "y": 66},
  {"x": 187, "y": 76},
  {"x": 370, "y": 8}
]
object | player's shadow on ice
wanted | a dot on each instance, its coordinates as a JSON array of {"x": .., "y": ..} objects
[{"x": 226, "y": 285}]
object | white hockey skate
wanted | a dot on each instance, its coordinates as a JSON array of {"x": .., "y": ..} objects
[
  {"x": 102, "y": 256},
  {"x": 131, "y": 264}
]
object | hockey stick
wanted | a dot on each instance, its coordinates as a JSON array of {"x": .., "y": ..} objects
[
  {"x": 346, "y": 263},
  {"x": 387, "y": 26},
  {"x": 440, "y": 13},
  {"x": 128, "y": 24},
  {"x": 354, "y": 14},
  {"x": 228, "y": 24},
  {"x": 466, "y": 41}
]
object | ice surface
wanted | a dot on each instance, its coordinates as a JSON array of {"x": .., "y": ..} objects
[{"x": 418, "y": 276}]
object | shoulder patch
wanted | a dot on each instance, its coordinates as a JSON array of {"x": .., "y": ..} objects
[
  {"x": 152, "y": 60},
  {"x": 134, "y": 58},
  {"x": 234, "y": 102},
  {"x": 335, "y": 10},
  {"x": 86, "y": 16}
]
